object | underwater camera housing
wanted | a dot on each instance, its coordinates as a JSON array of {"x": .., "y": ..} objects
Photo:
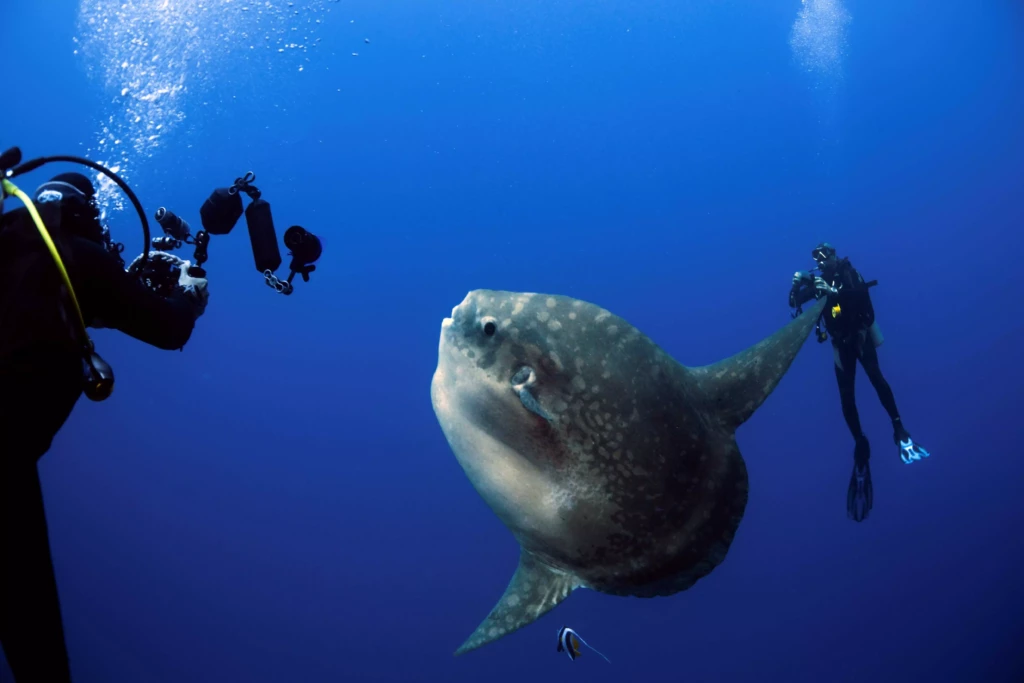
[
  {"x": 219, "y": 214},
  {"x": 159, "y": 271},
  {"x": 806, "y": 279}
]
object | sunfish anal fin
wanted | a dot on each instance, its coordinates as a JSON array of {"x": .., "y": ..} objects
[
  {"x": 533, "y": 591},
  {"x": 737, "y": 386}
]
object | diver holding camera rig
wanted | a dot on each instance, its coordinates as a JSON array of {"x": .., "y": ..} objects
[
  {"x": 219, "y": 214},
  {"x": 849, "y": 318},
  {"x": 61, "y": 273}
]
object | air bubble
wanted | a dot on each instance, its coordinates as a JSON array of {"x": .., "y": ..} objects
[{"x": 818, "y": 37}]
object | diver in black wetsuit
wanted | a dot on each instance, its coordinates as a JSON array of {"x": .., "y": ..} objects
[
  {"x": 850, "y": 319},
  {"x": 41, "y": 379}
]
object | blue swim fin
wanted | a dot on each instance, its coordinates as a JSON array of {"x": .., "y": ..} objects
[{"x": 909, "y": 451}]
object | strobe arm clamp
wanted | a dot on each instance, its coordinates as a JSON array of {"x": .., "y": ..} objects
[
  {"x": 305, "y": 248},
  {"x": 274, "y": 282}
]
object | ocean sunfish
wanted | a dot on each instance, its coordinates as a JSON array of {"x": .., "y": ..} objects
[{"x": 614, "y": 466}]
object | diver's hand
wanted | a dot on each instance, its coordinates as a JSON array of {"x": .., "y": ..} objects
[
  {"x": 798, "y": 276},
  {"x": 194, "y": 288},
  {"x": 823, "y": 287}
]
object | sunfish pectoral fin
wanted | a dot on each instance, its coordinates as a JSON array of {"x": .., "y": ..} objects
[
  {"x": 533, "y": 591},
  {"x": 737, "y": 386},
  {"x": 530, "y": 402},
  {"x": 524, "y": 381}
]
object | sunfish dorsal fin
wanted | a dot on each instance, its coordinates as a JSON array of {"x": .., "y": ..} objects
[
  {"x": 535, "y": 589},
  {"x": 737, "y": 386}
]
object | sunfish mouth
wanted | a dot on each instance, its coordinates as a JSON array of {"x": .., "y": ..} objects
[
  {"x": 452, "y": 316},
  {"x": 447, "y": 322}
]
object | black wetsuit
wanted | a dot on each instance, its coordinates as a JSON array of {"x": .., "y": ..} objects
[
  {"x": 851, "y": 339},
  {"x": 40, "y": 382}
]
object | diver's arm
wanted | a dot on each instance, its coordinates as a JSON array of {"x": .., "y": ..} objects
[
  {"x": 802, "y": 290},
  {"x": 804, "y": 294},
  {"x": 125, "y": 304}
]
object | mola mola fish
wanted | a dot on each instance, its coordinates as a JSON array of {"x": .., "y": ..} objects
[{"x": 613, "y": 465}]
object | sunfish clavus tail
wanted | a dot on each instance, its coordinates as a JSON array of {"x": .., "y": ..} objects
[{"x": 614, "y": 466}]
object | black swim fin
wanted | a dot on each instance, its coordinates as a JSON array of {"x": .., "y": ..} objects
[{"x": 860, "y": 495}]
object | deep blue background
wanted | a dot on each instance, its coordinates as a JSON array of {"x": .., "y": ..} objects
[{"x": 278, "y": 503}]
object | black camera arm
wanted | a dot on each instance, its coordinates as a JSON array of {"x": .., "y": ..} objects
[{"x": 219, "y": 214}]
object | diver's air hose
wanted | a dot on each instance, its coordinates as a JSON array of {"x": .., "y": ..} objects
[
  {"x": 12, "y": 189},
  {"x": 36, "y": 163}
]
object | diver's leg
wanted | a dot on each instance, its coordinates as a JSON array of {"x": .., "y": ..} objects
[
  {"x": 40, "y": 388},
  {"x": 859, "y": 492},
  {"x": 909, "y": 450},
  {"x": 30, "y": 622},
  {"x": 869, "y": 360},
  {"x": 846, "y": 373}
]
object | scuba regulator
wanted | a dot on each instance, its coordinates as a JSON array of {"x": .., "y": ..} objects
[{"x": 219, "y": 214}]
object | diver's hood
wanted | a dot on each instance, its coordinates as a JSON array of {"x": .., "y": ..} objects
[
  {"x": 74, "y": 194},
  {"x": 59, "y": 191},
  {"x": 75, "y": 182}
]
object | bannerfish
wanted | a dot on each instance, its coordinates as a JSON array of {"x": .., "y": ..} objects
[{"x": 569, "y": 642}]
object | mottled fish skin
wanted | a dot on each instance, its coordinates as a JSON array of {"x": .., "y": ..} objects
[{"x": 632, "y": 484}]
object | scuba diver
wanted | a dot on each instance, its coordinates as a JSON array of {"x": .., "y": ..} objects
[
  {"x": 59, "y": 274},
  {"x": 849, "y": 318}
]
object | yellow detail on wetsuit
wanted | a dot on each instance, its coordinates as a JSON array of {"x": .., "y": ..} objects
[{"x": 836, "y": 311}]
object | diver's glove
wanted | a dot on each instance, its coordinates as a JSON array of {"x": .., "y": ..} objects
[
  {"x": 909, "y": 451},
  {"x": 860, "y": 495},
  {"x": 823, "y": 287},
  {"x": 194, "y": 288}
]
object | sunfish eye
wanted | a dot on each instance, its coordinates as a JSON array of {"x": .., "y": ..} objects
[{"x": 489, "y": 325}]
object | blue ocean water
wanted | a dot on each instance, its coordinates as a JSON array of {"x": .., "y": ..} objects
[{"x": 277, "y": 503}]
